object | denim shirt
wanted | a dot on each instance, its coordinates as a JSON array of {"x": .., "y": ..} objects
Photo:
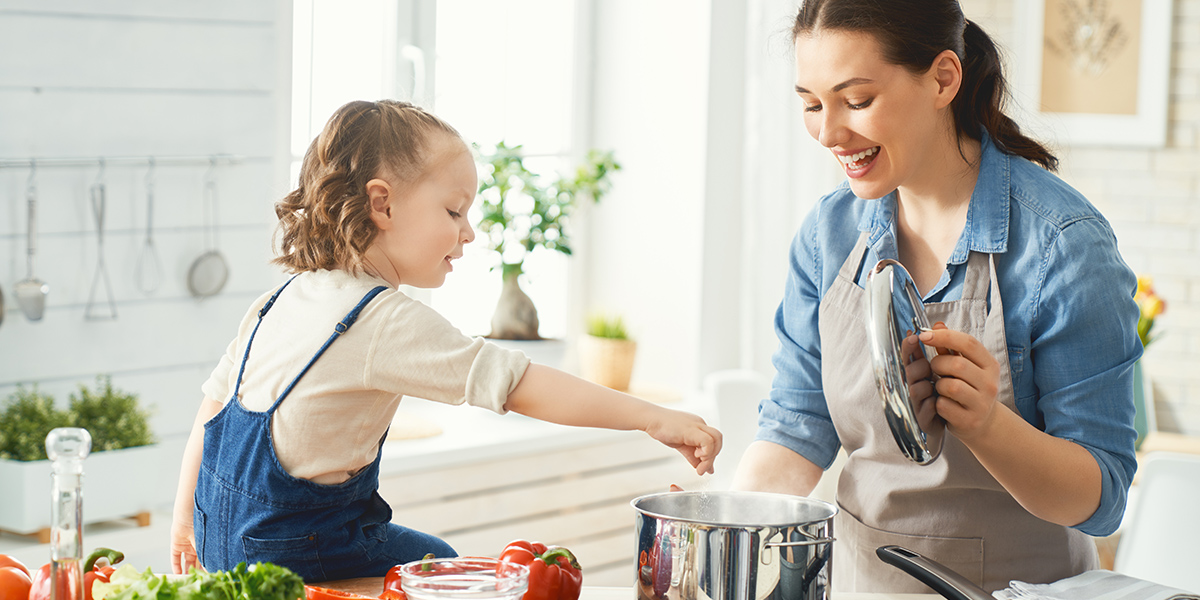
[{"x": 1069, "y": 315}]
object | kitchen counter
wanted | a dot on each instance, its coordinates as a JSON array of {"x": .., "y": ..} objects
[{"x": 372, "y": 586}]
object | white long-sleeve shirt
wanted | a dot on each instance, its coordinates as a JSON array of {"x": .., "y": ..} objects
[{"x": 332, "y": 423}]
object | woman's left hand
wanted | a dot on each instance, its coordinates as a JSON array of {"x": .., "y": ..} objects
[{"x": 969, "y": 381}]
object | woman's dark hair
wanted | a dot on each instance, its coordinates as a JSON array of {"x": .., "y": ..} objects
[{"x": 911, "y": 34}]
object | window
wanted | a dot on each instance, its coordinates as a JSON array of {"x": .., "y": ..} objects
[{"x": 497, "y": 70}]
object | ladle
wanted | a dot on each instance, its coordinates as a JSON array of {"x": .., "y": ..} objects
[{"x": 31, "y": 291}]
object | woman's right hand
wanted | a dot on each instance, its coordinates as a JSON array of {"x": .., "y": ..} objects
[{"x": 698, "y": 442}]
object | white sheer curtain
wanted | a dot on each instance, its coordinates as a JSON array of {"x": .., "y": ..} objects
[{"x": 785, "y": 171}]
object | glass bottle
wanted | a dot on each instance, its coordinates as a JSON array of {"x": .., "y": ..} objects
[{"x": 66, "y": 447}]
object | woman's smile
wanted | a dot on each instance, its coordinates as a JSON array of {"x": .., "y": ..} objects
[{"x": 857, "y": 162}]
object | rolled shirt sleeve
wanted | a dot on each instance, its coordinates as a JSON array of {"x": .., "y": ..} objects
[
  {"x": 795, "y": 415},
  {"x": 1084, "y": 343},
  {"x": 419, "y": 353}
]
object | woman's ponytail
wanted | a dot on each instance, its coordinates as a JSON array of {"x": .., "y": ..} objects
[{"x": 982, "y": 95}]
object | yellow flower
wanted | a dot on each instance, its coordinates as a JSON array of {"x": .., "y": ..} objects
[{"x": 1150, "y": 305}]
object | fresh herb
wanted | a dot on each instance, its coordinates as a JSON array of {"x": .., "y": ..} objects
[
  {"x": 112, "y": 417},
  {"x": 262, "y": 581}
]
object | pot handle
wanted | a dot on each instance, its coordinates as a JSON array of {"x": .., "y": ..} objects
[
  {"x": 932, "y": 573},
  {"x": 811, "y": 541}
]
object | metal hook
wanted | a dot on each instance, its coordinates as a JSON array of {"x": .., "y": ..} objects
[
  {"x": 100, "y": 173},
  {"x": 31, "y": 183},
  {"x": 150, "y": 173}
]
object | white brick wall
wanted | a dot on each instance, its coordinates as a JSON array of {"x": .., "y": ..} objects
[{"x": 1152, "y": 198}]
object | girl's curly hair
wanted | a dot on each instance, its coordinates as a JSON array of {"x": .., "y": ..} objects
[{"x": 325, "y": 222}]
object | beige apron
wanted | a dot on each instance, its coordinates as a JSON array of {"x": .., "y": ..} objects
[{"x": 952, "y": 511}]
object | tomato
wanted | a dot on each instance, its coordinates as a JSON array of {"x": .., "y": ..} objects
[
  {"x": 14, "y": 583},
  {"x": 8, "y": 561},
  {"x": 313, "y": 592}
]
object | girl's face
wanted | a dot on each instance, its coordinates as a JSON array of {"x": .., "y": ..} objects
[
  {"x": 423, "y": 225},
  {"x": 878, "y": 119}
]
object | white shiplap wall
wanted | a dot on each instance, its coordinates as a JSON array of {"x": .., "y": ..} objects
[{"x": 134, "y": 79}]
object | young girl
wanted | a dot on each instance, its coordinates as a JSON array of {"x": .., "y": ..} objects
[
  {"x": 1034, "y": 360},
  {"x": 283, "y": 460}
]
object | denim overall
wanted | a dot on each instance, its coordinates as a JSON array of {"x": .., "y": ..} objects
[{"x": 248, "y": 508}]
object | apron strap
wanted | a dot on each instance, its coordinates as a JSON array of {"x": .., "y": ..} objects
[
  {"x": 854, "y": 261},
  {"x": 237, "y": 388},
  {"x": 338, "y": 330}
]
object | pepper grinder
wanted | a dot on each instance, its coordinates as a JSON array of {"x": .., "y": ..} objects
[{"x": 66, "y": 447}]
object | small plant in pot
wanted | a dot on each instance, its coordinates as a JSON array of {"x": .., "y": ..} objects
[
  {"x": 124, "y": 456},
  {"x": 523, "y": 212},
  {"x": 606, "y": 353}
]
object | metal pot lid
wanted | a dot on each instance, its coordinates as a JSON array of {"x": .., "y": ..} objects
[{"x": 893, "y": 308}]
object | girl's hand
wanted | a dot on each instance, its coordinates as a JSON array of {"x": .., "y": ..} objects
[
  {"x": 183, "y": 546},
  {"x": 969, "y": 381},
  {"x": 687, "y": 433}
]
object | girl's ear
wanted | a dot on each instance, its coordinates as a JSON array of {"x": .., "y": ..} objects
[
  {"x": 947, "y": 73},
  {"x": 379, "y": 201}
]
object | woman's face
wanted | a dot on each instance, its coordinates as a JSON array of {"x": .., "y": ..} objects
[{"x": 878, "y": 119}]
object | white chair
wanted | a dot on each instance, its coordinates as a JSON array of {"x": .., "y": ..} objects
[
  {"x": 1160, "y": 540},
  {"x": 736, "y": 394}
]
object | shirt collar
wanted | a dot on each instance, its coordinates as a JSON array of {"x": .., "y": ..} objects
[{"x": 987, "y": 215}]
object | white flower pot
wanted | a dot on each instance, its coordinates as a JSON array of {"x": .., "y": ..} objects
[{"x": 116, "y": 484}]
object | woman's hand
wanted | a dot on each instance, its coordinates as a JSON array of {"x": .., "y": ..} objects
[
  {"x": 689, "y": 434},
  {"x": 968, "y": 381}
]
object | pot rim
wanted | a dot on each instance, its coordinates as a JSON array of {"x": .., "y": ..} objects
[{"x": 829, "y": 507}]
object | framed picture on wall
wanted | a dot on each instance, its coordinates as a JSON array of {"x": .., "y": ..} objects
[{"x": 1094, "y": 72}]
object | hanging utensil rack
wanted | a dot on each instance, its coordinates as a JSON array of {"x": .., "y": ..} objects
[{"x": 92, "y": 161}]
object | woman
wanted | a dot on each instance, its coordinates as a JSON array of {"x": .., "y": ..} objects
[{"x": 1035, "y": 355}]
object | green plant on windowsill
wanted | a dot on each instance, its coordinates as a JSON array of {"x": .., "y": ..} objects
[
  {"x": 524, "y": 211},
  {"x": 113, "y": 418},
  {"x": 606, "y": 353},
  {"x": 604, "y": 326}
]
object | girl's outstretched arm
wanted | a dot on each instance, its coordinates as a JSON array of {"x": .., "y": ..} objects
[
  {"x": 183, "y": 541},
  {"x": 551, "y": 395}
]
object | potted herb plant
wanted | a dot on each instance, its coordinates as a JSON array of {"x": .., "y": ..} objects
[
  {"x": 525, "y": 211},
  {"x": 125, "y": 464},
  {"x": 606, "y": 353}
]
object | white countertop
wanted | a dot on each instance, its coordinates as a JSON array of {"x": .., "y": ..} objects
[{"x": 624, "y": 593}]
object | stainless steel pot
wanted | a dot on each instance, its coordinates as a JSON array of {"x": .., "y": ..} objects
[{"x": 733, "y": 546}]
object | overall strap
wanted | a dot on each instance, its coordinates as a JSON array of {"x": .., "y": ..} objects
[
  {"x": 261, "y": 313},
  {"x": 338, "y": 330}
]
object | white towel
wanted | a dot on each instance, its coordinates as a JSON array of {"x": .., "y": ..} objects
[{"x": 1093, "y": 585}]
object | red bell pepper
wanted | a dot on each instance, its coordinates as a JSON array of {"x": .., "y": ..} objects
[
  {"x": 391, "y": 582},
  {"x": 40, "y": 589},
  {"x": 93, "y": 572},
  {"x": 554, "y": 573}
]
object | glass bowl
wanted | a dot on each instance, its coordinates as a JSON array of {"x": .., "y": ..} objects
[{"x": 464, "y": 578}]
